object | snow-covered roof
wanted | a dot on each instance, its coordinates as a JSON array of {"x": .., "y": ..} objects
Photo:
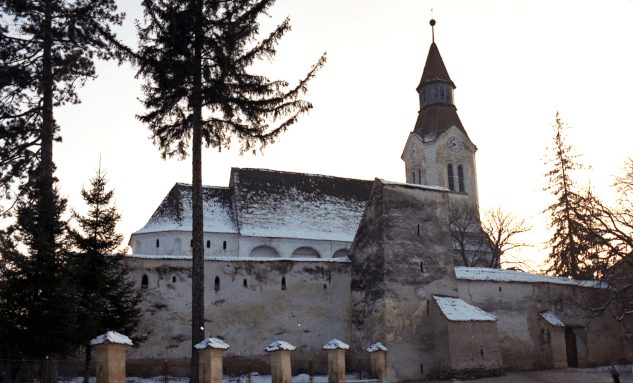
[
  {"x": 279, "y": 345},
  {"x": 111, "y": 337},
  {"x": 498, "y": 275},
  {"x": 377, "y": 347},
  {"x": 212, "y": 343},
  {"x": 243, "y": 259},
  {"x": 415, "y": 186},
  {"x": 456, "y": 310},
  {"x": 551, "y": 318},
  {"x": 336, "y": 344},
  {"x": 295, "y": 205},
  {"x": 175, "y": 212}
]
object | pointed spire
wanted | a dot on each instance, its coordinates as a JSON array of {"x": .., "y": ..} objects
[{"x": 434, "y": 68}]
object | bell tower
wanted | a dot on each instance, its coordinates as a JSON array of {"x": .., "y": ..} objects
[{"x": 438, "y": 151}]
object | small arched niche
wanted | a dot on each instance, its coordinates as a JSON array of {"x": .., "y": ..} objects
[
  {"x": 177, "y": 246},
  {"x": 265, "y": 252},
  {"x": 138, "y": 248},
  {"x": 340, "y": 253},
  {"x": 305, "y": 252}
]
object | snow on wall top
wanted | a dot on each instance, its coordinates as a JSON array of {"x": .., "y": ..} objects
[
  {"x": 336, "y": 344},
  {"x": 497, "y": 275},
  {"x": 377, "y": 347},
  {"x": 305, "y": 206},
  {"x": 111, "y": 337},
  {"x": 414, "y": 186},
  {"x": 279, "y": 345},
  {"x": 456, "y": 310},
  {"x": 175, "y": 212},
  {"x": 212, "y": 343},
  {"x": 551, "y": 318},
  {"x": 243, "y": 259}
]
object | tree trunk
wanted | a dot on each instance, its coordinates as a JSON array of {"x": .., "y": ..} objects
[
  {"x": 46, "y": 131},
  {"x": 197, "y": 289},
  {"x": 87, "y": 366}
]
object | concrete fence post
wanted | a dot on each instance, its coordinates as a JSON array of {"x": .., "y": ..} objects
[
  {"x": 110, "y": 349},
  {"x": 378, "y": 356},
  {"x": 336, "y": 360},
  {"x": 280, "y": 361},
  {"x": 210, "y": 351}
]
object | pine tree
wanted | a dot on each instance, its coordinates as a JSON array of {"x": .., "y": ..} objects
[
  {"x": 195, "y": 55},
  {"x": 572, "y": 251},
  {"x": 37, "y": 296},
  {"x": 108, "y": 299},
  {"x": 47, "y": 50}
]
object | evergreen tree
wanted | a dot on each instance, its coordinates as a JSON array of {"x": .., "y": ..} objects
[
  {"x": 37, "y": 296},
  {"x": 107, "y": 297},
  {"x": 572, "y": 245},
  {"x": 195, "y": 55},
  {"x": 47, "y": 50}
]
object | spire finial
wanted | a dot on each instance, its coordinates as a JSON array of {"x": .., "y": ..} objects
[{"x": 432, "y": 22}]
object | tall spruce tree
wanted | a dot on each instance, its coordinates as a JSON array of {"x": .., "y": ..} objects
[
  {"x": 107, "y": 297},
  {"x": 38, "y": 301},
  {"x": 572, "y": 245},
  {"x": 195, "y": 55},
  {"x": 47, "y": 50}
]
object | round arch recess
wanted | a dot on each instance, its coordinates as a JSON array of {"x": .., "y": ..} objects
[
  {"x": 306, "y": 252},
  {"x": 340, "y": 253},
  {"x": 264, "y": 251}
]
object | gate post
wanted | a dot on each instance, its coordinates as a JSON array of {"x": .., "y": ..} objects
[
  {"x": 378, "y": 355},
  {"x": 210, "y": 351},
  {"x": 110, "y": 349},
  {"x": 336, "y": 360},
  {"x": 280, "y": 361}
]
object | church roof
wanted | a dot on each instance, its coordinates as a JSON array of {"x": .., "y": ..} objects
[
  {"x": 296, "y": 205},
  {"x": 268, "y": 203},
  {"x": 435, "y": 119},
  {"x": 434, "y": 69}
]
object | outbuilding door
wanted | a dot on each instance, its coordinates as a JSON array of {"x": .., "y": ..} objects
[{"x": 572, "y": 350}]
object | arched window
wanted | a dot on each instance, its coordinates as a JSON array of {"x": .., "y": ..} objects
[
  {"x": 144, "y": 282},
  {"x": 217, "y": 283},
  {"x": 448, "y": 94},
  {"x": 460, "y": 178},
  {"x": 157, "y": 243},
  {"x": 412, "y": 176},
  {"x": 418, "y": 176},
  {"x": 442, "y": 92},
  {"x": 283, "y": 283},
  {"x": 423, "y": 95},
  {"x": 451, "y": 177}
]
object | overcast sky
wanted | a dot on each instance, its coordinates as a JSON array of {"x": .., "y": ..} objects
[{"x": 515, "y": 64}]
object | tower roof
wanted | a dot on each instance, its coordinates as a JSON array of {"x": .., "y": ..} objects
[
  {"x": 434, "y": 68},
  {"x": 434, "y": 120}
]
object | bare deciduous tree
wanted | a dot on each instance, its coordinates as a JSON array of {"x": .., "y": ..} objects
[{"x": 506, "y": 233}]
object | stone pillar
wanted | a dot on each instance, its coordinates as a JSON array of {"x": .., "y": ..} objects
[
  {"x": 110, "y": 349},
  {"x": 378, "y": 356},
  {"x": 280, "y": 361},
  {"x": 336, "y": 360},
  {"x": 210, "y": 351}
]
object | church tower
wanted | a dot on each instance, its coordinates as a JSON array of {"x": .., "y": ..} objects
[{"x": 438, "y": 151}]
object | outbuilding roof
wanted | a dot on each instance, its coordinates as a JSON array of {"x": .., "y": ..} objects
[
  {"x": 456, "y": 310},
  {"x": 498, "y": 275}
]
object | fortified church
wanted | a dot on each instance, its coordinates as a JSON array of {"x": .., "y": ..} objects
[{"x": 307, "y": 258}]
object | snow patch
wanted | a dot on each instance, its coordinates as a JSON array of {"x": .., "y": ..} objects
[
  {"x": 424, "y": 187},
  {"x": 377, "y": 347},
  {"x": 456, "y": 310},
  {"x": 242, "y": 259},
  {"x": 497, "y": 275},
  {"x": 336, "y": 344},
  {"x": 279, "y": 345},
  {"x": 551, "y": 318},
  {"x": 212, "y": 343},
  {"x": 111, "y": 337}
]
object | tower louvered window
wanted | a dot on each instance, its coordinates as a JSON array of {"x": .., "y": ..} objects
[
  {"x": 451, "y": 177},
  {"x": 460, "y": 176}
]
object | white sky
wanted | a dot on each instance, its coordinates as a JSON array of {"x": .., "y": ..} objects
[{"x": 515, "y": 63}]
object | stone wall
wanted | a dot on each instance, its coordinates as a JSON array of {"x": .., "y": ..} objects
[{"x": 250, "y": 310}]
